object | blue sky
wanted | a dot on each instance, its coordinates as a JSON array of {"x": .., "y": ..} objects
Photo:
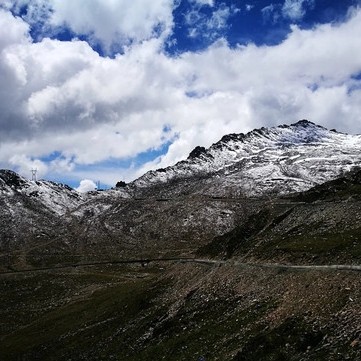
[{"x": 106, "y": 90}]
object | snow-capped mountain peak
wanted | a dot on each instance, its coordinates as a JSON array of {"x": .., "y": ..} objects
[
  {"x": 279, "y": 160},
  {"x": 286, "y": 158}
]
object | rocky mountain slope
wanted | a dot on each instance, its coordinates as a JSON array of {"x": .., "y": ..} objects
[
  {"x": 31, "y": 212},
  {"x": 55, "y": 197},
  {"x": 200, "y": 198},
  {"x": 277, "y": 160},
  {"x": 184, "y": 263}
]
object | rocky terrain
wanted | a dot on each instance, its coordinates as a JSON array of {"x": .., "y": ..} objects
[
  {"x": 195, "y": 260},
  {"x": 277, "y": 160}
]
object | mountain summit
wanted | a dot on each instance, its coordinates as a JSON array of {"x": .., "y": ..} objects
[
  {"x": 278, "y": 160},
  {"x": 282, "y": 159}
]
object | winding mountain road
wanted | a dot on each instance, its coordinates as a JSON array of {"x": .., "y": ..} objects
[{"x": 205, "y": 261}]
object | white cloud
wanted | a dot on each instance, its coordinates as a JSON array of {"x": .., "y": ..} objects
[
  {"x": 25, "y": 165},
  {"x": 296, "y": 9},
  {"x": 204, "y": 2},
  {"x": 271, "y": 13},
  {"x": 64, "y": 97},
  {"x": 86, "y": 185},
  {"x": 12, "y": 30},
  {"x": 209, "y": 27},
  {"x": 219, "y": 19},
  {"x": 112, "y": 23},
  {"x": 293, "y": 10}
]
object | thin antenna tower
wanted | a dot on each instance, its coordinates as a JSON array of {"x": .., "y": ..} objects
[{"x": 33, "y": 174}]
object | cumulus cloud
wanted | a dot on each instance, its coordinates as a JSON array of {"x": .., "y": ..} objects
[
  {"x": 112, "y": 23},
  {"x": 86, "y": 185},
  {"x": 63, "y": 98},
  {"x": 13, "y": 30},
  {"x": 25, "y": 165}
]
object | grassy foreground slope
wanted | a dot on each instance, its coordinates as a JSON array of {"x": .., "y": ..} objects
[
  {"x": 176, "y": 310},
  {"x": 181, "y": 311}
]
